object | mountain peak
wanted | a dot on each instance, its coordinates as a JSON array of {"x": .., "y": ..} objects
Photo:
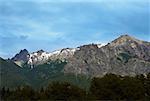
[
  {"x": 126, "y": 36},
  {"x": 40, "y": 51},
  {"x": 22, "y": 55},
  {"x": 125, "y": 39},
  {"x": 24, "y": 50}
]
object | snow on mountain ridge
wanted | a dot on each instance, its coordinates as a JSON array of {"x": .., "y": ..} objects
[{"x": 42, "y": 56}]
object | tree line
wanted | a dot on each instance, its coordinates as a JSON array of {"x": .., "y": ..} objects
[{"x": 109, "y": 87}]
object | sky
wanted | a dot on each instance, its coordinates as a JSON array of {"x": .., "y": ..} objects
[{"x": 56, "y": 24}]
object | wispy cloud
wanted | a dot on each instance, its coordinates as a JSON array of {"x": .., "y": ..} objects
[{"x": 54, "y": 24}]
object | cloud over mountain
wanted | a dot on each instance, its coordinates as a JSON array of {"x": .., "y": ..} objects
[{"x": 32, "y": 24}]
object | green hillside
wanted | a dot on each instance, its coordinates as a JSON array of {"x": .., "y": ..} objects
[
  {"x": 11, "y": 74},
  {"x": 41, "y": 75}
]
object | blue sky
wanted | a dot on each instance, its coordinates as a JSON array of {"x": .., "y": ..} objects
[{"x": 56, "y": 24}]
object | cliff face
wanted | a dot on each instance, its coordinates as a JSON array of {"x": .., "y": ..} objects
[{"x": 124, "y": 56}]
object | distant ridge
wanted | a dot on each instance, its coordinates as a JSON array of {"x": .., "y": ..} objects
[{"x": 125, "y": 55}]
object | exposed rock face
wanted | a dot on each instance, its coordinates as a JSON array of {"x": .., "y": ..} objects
[
  {"x": 132, "y": 46},
  {"x": 124, "y": 56},
  {"x": 23, "y": 55},
  {"x": 87, "y": 61}
]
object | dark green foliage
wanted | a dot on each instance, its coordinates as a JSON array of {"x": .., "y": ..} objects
[
  {"x": 147, "y": 86},
  {"x": 23, "y": 93},
  {"x": 113, "y": 87},
  {"x": 132, "y": 88},
  {"x": 106, "y": 88},
  {"x": 80, "y": 87},
  {"x": 54, "y": 91},
  {"x": 124, "y": 57},
  {"x": 52, "y": 71},
  {"x": 109, "y": 87},
  {"x": 11, "y": 74},
  {"x": 64, "y": 91}
]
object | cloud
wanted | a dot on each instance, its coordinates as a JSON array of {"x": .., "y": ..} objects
[
  {"x": 23, "y": 37},
  {"x": 51, "y": 25}
]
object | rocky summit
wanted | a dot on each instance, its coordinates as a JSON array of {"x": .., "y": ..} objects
[{"x": 123, "y": 56}]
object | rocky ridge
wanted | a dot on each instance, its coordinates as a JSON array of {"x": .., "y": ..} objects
[{"x": 123, "y": 56}]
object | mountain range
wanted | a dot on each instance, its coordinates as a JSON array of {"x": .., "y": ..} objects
[{"x": 126, "y": 56}]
